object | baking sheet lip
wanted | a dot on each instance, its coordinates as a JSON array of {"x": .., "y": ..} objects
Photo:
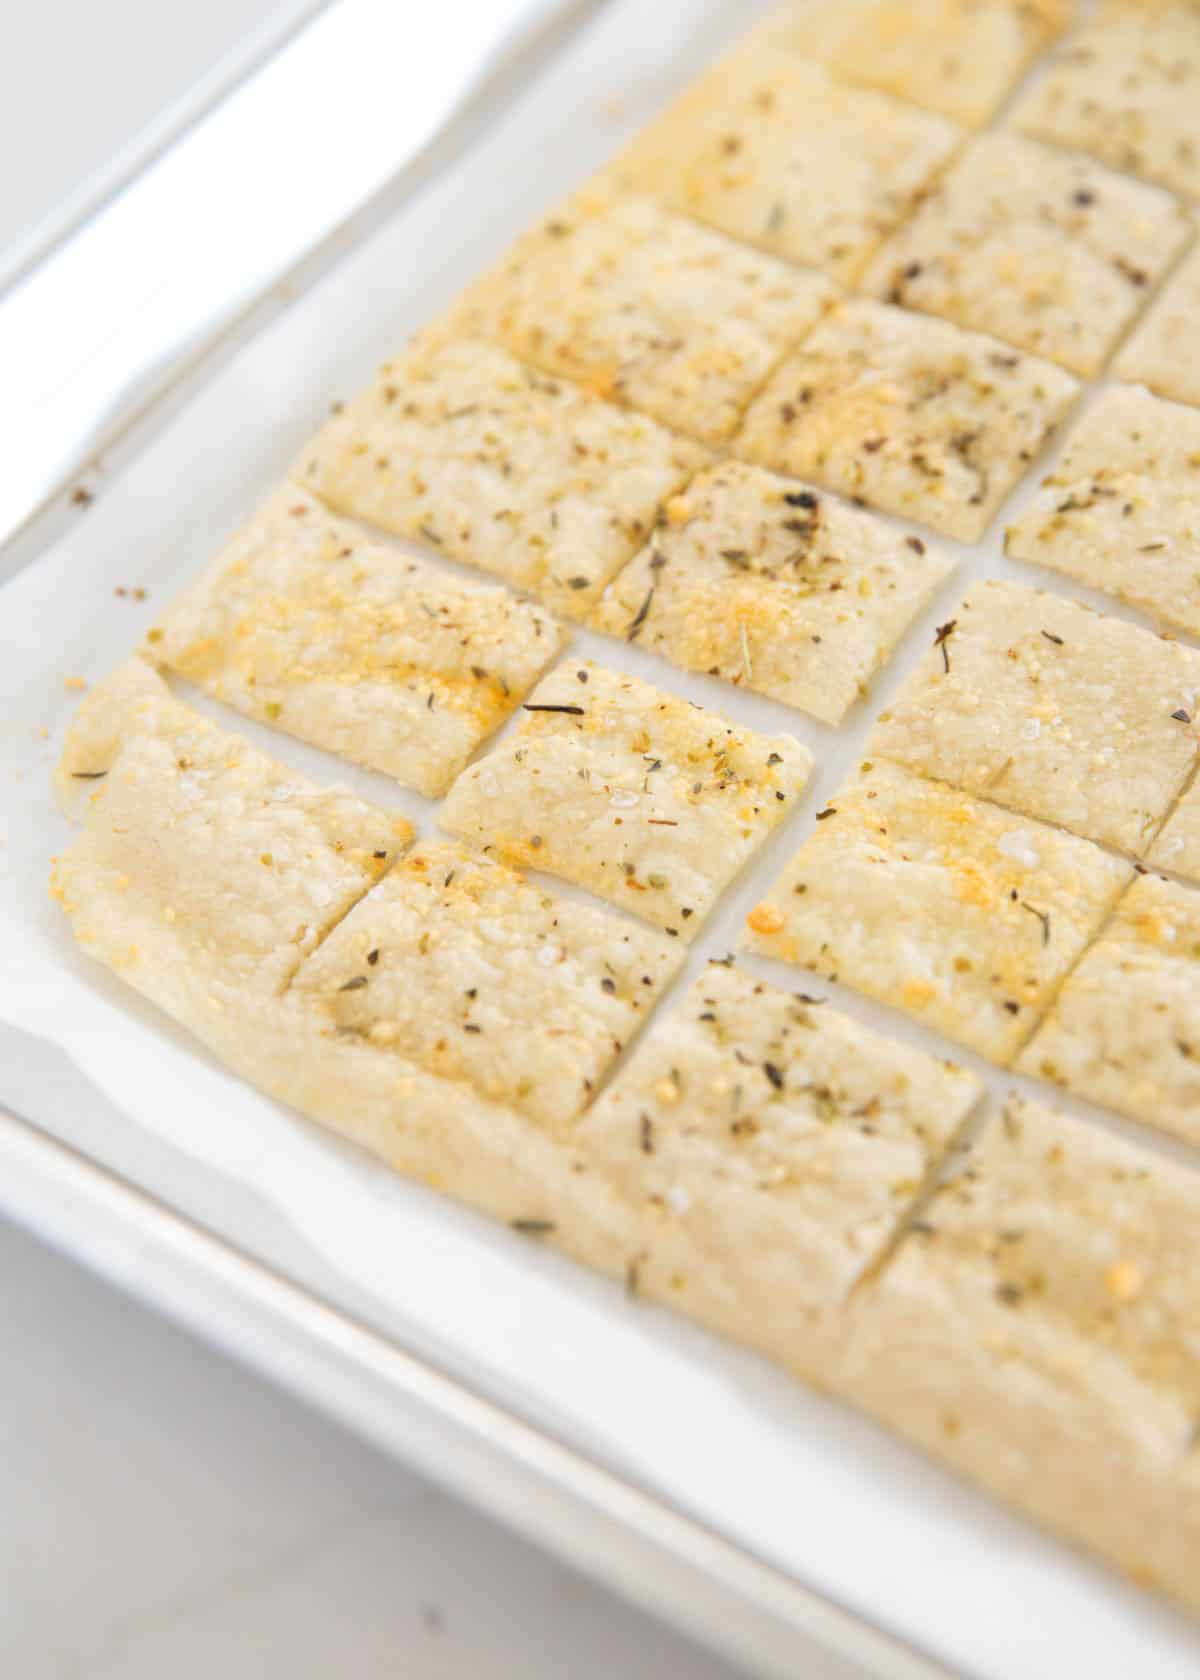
[
  {"x": 86, "y": 1203},
  {"x": 102, "y": 185},
  {"x": 497, "y": 81}
]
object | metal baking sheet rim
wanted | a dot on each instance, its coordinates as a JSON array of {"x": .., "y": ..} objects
[{"x": 636, "y": 1543}]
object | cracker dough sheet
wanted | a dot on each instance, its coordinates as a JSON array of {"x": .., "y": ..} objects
[{"x": 674, "y": 739}]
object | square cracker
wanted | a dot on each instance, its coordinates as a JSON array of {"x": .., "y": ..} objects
[
  {"x": 647, "y": 309},
  {"x": 761, "y": 581},
  {"x": 1038, "y": 1330},
  {"x": 1164, "y": 350},
  {"x": 520, "y": 474},
  {"x": 1121, "y": 510},
  {"x": 643, "y": 799},
  {"x": 203, "y": 864},
  {"x": 1051, "y": 709},
  {"x": 1125, "y": 1030},
  {"x": 769, "y": 1147},
  {"x": 770, "y": 149},
  {"x": 305, "y": 622},
  {"x": 464, "y": 969},
  {"x": 942, "y": 905},
  {"x": 910, "y": 414},
  {"x": 1047, "y": 250},
  {"x": 1126, "y": 87},
  {"x": 959, "y": 57}
]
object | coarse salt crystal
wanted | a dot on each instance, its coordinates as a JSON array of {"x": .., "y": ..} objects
[{"x": 1017, "y": 845}]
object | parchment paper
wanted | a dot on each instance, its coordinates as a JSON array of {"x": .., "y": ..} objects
[{"x": 800, "y": 1479}]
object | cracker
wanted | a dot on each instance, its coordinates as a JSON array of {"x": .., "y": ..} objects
[
  {"x": 769, "y": 1147},
  {"x": 1047, "y": 250},
  {"x": 203, "y": 860},
  {"x": 520, "y": 474},
  {"x": 1164, "y": 351},
  {"x": 469, "y": 972},
  {"x": 438, "y": 1131},
  {"x": 1121, "y": 510},
  {"x": 1053, "y": 710},
  {"x": 959, "y": 57},
  {"x": 132, "y": 700},
  {"x": 1177, "y": 847},
  {"x": 645, "y": 800},
  {"x": 1038, "y": 1331},
  {"x": 648, "y": 310},
  {"x": 1125, "y": 1030},
  {"x": 761, "y": 581},
  {"x": 306, "y": 623},
  {"x": 910, "y": 414},
  {"x": 772, "y": 150},
  {"x": 942, "y": 905},
  {"x": 1126, "y": 87}
]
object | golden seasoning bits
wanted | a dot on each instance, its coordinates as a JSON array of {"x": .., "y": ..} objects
[
  {"x": 482, "y": 979},
  {"x": 895, "y": 887},
  {"x": 911, "y": 415},
  {"x": 775, "y": 587},
  {"x": 765, "y": 918},
  {"x": 1125, "y": 1029},
  {"x": 659, "y": 828},
  {"x": 1121, "y": 510},
  {"x": 773, "y": 151},
  {"x": 768, "y": 1148},
  {"x": 305, "y": 621},
  {"x": 171, "y": 846},
  {"x": 1044, "y": 249},
  {"x": 493, "y": 463},
  {"x": 646, "y": 309},
  {"x": 1073, "y": 1373},
  {"x": 1051, "y": 709}
]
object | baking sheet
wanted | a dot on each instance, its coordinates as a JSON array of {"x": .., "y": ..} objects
[{"x": 798, "y": 1479}]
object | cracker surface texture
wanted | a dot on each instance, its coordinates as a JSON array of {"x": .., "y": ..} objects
[
  {"x": 305, "y": 622},
  {"x": 959, "y": 57},
  {"x": 944, "y": 906},
  {"x": 1038, "y": 1331},
  {"x": 1044, "y": 249},
  {"x": 1163, "y": 352},
  {"x": 203, "y": 867},
  {"x": 1125, "y": 1030},
  {"x": 774, "y": 586},
  {"x": 910, "y": 414},
  {"x": 470, "y": 972},
  {"x": 645, "y": 800},
  {"x": 768, "y": 1147},
  {"x": 1126, "y": 88},
  {"x": 647, "y": 309},
  {"x": 770, "y": 149},
  {"x": 1053, "y": 710},
  {"x": 1177, "y": 847},
  {"x": 1121, "y": 510},
  {"x": 491, "y": 462}
]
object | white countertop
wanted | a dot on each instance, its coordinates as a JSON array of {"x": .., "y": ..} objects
[
  {"x": 163, "y": 1513},
  {"x": 166, "y": 1515}
]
